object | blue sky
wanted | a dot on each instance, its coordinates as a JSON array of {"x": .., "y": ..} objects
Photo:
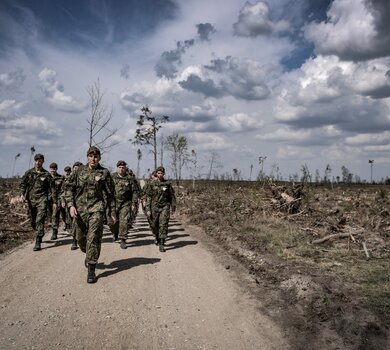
[{"x": 299, "y": 82}]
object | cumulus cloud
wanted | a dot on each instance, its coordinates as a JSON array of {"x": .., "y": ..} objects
[
  {"x": 12, "y": 80},
  {"x": 242, "y": 79},
  {"x": 8, "y": 107},
  {"x": 32, "y": 123},
  {"x": 240, "y": 122},
  {"x": 54, "y": 93},
  {"x": 205, "y": 30},
  {"x": 170, "y": 60},
  {"x": 254, "y": 20},
  {"x": 354, "y": 30}
]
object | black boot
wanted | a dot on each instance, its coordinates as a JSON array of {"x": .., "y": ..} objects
[
  {"x": 37, "y": 245},
  {"x": 91, "y": 278},
  {"x": 115, "y": 237},
  {"x": 54, "y": 234},
  {"x": 123, "y": 244},
  {"x": 74, "y": 244},
  {"x": 162, "y": 248},
  {"x": 156, "y": 241}
]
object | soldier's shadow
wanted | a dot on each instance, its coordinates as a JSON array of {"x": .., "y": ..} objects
[
  {"x": 123, "y": 265},
  {"x": 179, "y": 244}
]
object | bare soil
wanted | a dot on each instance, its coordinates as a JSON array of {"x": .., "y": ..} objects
[{"x": 240, "y": 272}]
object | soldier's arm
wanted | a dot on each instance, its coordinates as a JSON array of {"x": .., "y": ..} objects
[
  {"x": 173, "y": 199},
  {"x": 24, "y": 185},
  {"x": 69, "y": 190},
  {"x": 110, "y": 194}
]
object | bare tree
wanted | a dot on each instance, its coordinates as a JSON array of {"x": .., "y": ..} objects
[
  {"x": 99, "y": 132},
  {"x": 139, "y": 157},
  {"x": 146, "y": 134},
  {"x": 214, "y": 163},
  {"x": 177, "y": 146},
  {"x": 236, "y": 174}
]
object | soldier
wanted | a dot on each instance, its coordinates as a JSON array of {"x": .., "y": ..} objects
[
  {"x": 143, "y": 191},
  {"x": 86, "y": 191},
  {"x": 137, "y": 190},
  {"x": 55, "y": 215},
  {"x": 126, "y": 195},
  {"x": 160, "y": 202},
  {"x": 67, "y": 219},
  {"x": 75, "y": 167},
  {"x": 38, "y": 191}
]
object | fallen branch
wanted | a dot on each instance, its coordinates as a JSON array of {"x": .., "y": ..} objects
[
  {"x": 338, "y": 235},
  {"x": 366, "y": 250},
  {"x": 326, "y": 238}
]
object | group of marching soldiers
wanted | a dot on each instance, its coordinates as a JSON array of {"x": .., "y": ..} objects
[{"x": 89, "y": 196}]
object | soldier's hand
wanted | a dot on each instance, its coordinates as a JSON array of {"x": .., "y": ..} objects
[
  {"x": 63, "y": 205},
  {"x": 73, "y": 212},
  {"x": 113, "y": 218},
  {"x": 54, "y": 206},
  {"x": 148, "y": 213}
]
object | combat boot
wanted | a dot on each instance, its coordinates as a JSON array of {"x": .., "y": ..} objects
[
  {"x": 37, "y": 245},
  {"x": 74, "y": 244},
  {"x": 91, "y": 278},
  {"x": 115, "y": 237},
  {"x": 162, "y": 248},
  {"x": 156, "y": 241},
  {"x": 54, "y": 234},
  {"x": 123, "y": 244}
]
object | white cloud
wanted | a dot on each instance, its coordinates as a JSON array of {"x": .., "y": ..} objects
[
  {"x": 350, "y": 32},
  {"x": 54, "y": 92},
  {"x": 8, "y": 107},
  {"x": 254, "y": 21}
]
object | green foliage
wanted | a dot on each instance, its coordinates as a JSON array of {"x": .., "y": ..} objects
[{"x": 148, "y": 127}]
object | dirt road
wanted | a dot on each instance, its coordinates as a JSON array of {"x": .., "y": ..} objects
[{"x": 185, "y": 298}]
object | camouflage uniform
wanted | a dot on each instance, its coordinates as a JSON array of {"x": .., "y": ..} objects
[
  {"x": 67, "y": 218},
  {"x": 38, "y": 189},
  {"x": 160, "y": 200},
  {"x": 126, "y": 195},
  {"x": 137, "y": 190},
  {"x": 58, "y": 181},
  {"x": 86, "y": 189}
]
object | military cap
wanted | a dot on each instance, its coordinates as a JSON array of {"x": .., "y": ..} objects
[
  {"x": 93, "y": 150},
  {"x": 77, "y": 164},
  {"x": 67, "y": 168},
  {"x": 160, "y": 168},
  {"x": 121, "y": 162},
  {"x": 39, "y": 156},
  {"x": 53, "y": 165}
]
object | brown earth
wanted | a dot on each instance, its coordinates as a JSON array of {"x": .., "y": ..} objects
[{"x": 242, "y": 271}]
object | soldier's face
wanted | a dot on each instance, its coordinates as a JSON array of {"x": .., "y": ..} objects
[
  {"x": 93, "y": 160},
  {"x": 122, "y": 170},
  {"x": 39, "y": 163},
  {"x": 53, "y": 171},
  {"x": 160, "y": 175}
]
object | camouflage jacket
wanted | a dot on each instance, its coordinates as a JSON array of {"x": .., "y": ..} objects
[
  {"x": 90, "y": 190},
  {"x": 126, "y": 189},
  {"x": 38, "y": 185},
  {"x": 159, "y": 195},
  {"x": 58, "y": 183}
]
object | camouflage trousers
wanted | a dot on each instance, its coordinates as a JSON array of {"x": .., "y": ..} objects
[
  {"x": 159, "y": 220},
  {"x": 123, "y": 215},
  {"x": 55, "y": 216},
  {"x": 88, "y": 229},
  {"x": 37, "y": 213}
]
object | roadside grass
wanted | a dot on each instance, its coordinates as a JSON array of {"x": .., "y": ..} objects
[{"x": 242, "y": 211}]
